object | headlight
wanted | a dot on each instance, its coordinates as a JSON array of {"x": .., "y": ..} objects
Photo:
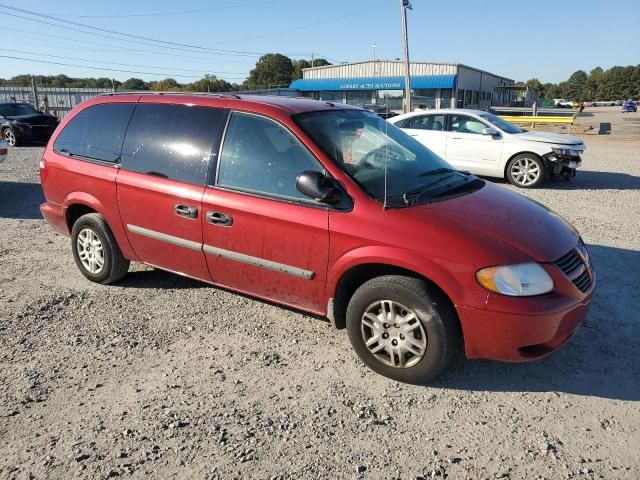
[
  {"x": 565, "y": 152},
  {"x": 522, "y": 280}
]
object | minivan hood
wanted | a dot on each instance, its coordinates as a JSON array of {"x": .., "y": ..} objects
[
  {"x": 496, "y": 218},
  {"x": 546, "y": 137}
]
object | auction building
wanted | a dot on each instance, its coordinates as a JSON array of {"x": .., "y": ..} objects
[{"x": 380, "y": 83}]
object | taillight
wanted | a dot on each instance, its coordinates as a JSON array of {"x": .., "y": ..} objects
[
  {"x": 3, "y": 151},
  {"x": 44, "y": 170}
]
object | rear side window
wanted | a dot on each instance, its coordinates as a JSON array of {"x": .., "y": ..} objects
[
  {"x": 427, "y": 122},
  {"x": 96, "y": 132},
  {"x": 173, "y": 141},
  {"x": 260, "y": 155}
]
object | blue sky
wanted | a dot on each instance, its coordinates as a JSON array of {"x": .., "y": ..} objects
[{"x": 544, "y": 39}]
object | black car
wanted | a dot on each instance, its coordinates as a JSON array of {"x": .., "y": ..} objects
[{"x": 21, "y": 123}]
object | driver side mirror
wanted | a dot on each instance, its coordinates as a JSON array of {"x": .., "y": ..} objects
[
  {"x": 490, "y": 131},
  {"x": 317, "y": 186}
]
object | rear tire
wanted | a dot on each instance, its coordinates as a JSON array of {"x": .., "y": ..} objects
[
  {"x": 402, "y": 328},
  {"x": 526, "y": 170},
  {"x": 96, "y": 251}
]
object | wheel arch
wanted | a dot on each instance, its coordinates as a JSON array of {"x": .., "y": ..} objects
[
  {"x": 77, "y": 204},
  {"x": 345, "y": 282}
]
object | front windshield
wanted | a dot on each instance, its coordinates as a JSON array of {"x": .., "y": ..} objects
[
  {"x": 501, "y": 124},
  {"x": 370, "y": 150},
  {"x": 16, "y": 110}
]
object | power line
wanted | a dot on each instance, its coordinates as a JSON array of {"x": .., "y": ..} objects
[
  {"x": 167, "y": 75},
  {"x": 184, "y": 12},
  {"x": 125, "y": 39},
  {"x": 116, "y": 48},
  {"x": 314, "y": 24},
  {"x": 114, "y": 32},
  {"x": 175, "y": 45},
  {"x": 113, "y": 63}
]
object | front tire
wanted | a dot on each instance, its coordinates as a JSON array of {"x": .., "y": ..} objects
[
  {"x": 96, "y": 251},
  {"x": 402, "y": 328},
  {"x": 9, "y": 136},
  {"x": 526, "y": 171}
]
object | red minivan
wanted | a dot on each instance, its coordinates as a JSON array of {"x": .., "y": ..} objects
[{"x": 323, "y": 207}]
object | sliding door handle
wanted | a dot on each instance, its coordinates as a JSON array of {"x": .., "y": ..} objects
[{"x": 219, "y": 218}]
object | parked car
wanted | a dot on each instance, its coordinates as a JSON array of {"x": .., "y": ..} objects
[
  {"x": 323, "y": 207},
  {"x": 562, "y": 103},
  {"x": 4, "y": 150},
  {"x": 629, "y": 106},
  {"x": 619, "y": 103},
  {"x": 485, "y": 144},
  {"x": 21, "y": 123}
]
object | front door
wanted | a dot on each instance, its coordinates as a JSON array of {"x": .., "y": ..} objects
[
  {"x": 261, "y": 236},
  {"x": 165, "y": 162},
  {"x": 468, "y": 149},
  {"x": 429, "y": 129}
]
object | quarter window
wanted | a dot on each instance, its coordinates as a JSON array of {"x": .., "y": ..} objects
[
  {"x": 259, "y": 155},
  {"x": 173, "y": 141},
  {"x": 96, "y": 132},
  {"x": 466, "y": 124}
]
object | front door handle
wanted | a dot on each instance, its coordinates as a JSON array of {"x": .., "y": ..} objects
[
  {"x": 219, "y": 218},
  {"x": 186, "y": 211}
]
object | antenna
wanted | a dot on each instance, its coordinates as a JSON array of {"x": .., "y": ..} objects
[{"x": 386, "y": 154}]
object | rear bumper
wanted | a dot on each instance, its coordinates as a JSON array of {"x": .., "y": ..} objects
[
  {"x": 520, "y": 336},
  {"x": 55, "y": 215}
]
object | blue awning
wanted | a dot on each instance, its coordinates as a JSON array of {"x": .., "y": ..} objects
[{"x": 373, "y": 83}]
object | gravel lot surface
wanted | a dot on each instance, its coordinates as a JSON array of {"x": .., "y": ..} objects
[{"x": 164, "y": 377}]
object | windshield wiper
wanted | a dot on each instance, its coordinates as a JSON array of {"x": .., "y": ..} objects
[
  {"x": 436, "y": 171},
  {"x": 417, "y": 192}
]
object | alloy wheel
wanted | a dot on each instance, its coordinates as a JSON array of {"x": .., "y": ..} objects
[
  {"x": 90, "y": 251},
  {"x": 525, "y": 171},
  {"x": 10, "y": 137},
  {"x": 393, "y": 334}
]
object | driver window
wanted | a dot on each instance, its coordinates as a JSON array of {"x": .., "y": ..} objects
[
  {"x": 259, "y": 155},
  {"x": 466, "y": 124}
]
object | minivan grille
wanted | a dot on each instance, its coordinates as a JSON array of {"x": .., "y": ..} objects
[{"x": 576, "y": 265}]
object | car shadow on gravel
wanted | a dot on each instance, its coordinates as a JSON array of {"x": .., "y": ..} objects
[
  {"x": 590, "y": 180},
  {"x": 20, "y": 200},
  {"x": 159, "y": 279},
  {"x": 601, "y": 360},
  {"x": 587, "y": 180}
]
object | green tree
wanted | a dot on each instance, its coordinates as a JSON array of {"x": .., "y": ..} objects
[
  {"x": 271, "y": 70},
  {"x": 298, "y": 65},
  {"x": 166, "y": 85},
  {"x": 576, "y": 86},
  {"x": 135, "y": 84},
  {"x": 209, "y": 83}
]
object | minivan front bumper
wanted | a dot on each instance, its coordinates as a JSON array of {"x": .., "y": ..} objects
[{"x": 520, "y": 335}]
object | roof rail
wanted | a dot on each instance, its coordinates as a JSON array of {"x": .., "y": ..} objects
[{"x": 146, "y": 92}]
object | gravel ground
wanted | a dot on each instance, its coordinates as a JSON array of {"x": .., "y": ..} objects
[{"x": 164, "y": 377}]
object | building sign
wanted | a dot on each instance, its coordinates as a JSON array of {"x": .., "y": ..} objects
[{"x": 371, "y": 86}]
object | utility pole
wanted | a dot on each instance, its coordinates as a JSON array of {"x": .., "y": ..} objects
[
  {"x": 312, "y": 59},
  {"x": 113, "y": 85},
  {"x": 35, "y": 92},
  {"x": 404, "y": 4}
]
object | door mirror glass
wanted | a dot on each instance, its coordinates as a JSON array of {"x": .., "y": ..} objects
[
  {"x": 489, "y": 131},
  {"x": 317, "y": 186}
]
